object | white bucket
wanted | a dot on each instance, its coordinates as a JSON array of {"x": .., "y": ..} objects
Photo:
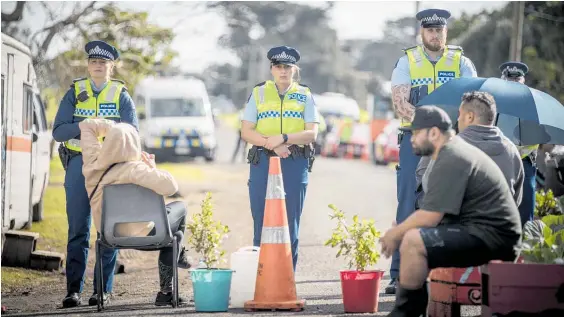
[{"x": 244, "y": 263}]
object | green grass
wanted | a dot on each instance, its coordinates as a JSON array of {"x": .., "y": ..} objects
[
  {"x": 183, "y": 172},
  {"x": 17, "y": 278},
  {"x": 56, "y": 171}
]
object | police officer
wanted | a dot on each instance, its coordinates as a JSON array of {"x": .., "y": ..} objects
[
  {"x": 280, "y": 119},
  {"x": 516, "y": 71},
  {"x": 102, "y": 97},
  {"x": 421, "y": 70}
]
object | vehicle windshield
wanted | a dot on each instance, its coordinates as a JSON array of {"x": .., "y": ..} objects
[{"x": 177, "y": 107}]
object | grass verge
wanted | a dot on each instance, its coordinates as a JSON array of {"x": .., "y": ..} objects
[{"x": 17, "y": 279}]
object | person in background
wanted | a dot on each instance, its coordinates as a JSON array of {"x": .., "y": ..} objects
[
  {"x": 102, "y": 97},
  {"x": 516, "y": 71},
  {"x": 418, "y": 73},
  {"x": 240, "y": 142}
]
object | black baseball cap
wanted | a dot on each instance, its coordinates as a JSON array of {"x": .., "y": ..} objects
[{"x": 427, "y": 117}]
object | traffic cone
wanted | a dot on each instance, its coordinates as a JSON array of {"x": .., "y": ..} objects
[
  {"x": 350, "y": 152},
  {"x": 365, "y": 155},
  {"x": 275, "y": 287}
]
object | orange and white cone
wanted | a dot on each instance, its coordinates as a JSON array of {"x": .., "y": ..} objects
[{"x": 275, "y": 286}]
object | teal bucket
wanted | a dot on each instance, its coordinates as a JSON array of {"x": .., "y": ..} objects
[{"x": 211, "y": 289}]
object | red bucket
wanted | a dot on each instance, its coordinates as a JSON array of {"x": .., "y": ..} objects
[{"x": 361, "y": 290}]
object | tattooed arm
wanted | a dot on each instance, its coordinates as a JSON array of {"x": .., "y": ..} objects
[
  {"x": 400, "y": 97},
  {"x": 401, "y": 86}
]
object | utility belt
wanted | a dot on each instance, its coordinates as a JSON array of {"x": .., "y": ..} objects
[
  {"x": 66, "y": 154},
  {"x": 308, "y": 152}
]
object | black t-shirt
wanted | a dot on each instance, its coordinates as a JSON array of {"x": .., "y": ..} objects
[{"x": 469, "y": 188}]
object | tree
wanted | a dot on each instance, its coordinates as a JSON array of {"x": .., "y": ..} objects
[
  {"x": 144, "y": 47},
  {"x": 255, "y": 27}
]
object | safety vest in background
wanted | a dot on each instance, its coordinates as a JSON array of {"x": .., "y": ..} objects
[
  {"x": 424, "y": 73},
  {"x": 346, "y": 130},
  {"x": 276, "y": 116},
  {"x": 106, "y": 105},
  {"x": 526, "y": 150},
  {"x": 322, "y": 123}
]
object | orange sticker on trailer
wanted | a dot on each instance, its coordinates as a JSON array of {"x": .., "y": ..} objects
[{"x": 18, "y": 144}]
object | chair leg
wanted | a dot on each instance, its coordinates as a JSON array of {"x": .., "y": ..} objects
[
  {"x": 100, "y": 280},
  {"x": 174, "y": 272}
]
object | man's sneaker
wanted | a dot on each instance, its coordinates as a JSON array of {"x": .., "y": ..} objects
[
  {"x": 93, "y": 301},
  {"x": 165, "y": 299},
  {"x": 71, "y": 300},
  {"x": 391, "y": 288},
  {"x": 184, "y": 260}
]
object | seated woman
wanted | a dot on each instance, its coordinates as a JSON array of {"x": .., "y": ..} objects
[{"x": 120, "y": 152}]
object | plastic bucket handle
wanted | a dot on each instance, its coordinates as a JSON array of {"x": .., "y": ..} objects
[{"x": 249, "y": 248}]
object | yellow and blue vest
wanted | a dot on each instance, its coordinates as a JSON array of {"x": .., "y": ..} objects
[
  {"x": 423, "y": 73},
  {"x": 526, "y": 150},
  {"x": 276, "y": 115},
  {"x": 105, "y": 105}
]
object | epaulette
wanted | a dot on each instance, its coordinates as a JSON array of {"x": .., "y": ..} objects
[
  {"x": 75, "y": 80},
  {"x": 306, "y": 86},
  {"x": 118, "y": 80},
  {"x": 455, "y": 48},
  {"x": 260, "y": 84},
  {"x": 409, "y": 48}
]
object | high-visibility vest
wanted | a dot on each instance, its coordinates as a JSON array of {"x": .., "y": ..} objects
[
  {"x": 276, "y": 116},
  {"x": 526, "y": 150},
  {"x": 423, "y": 73},
  {"x": 106, "y": 105}
]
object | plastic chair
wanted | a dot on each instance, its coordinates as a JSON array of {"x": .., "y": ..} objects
[{"x": 127, "y": 203}]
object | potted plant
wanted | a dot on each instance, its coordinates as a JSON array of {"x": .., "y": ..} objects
[
  {"x": 210, "y": 282},
  {"x": 546, "y": 204},
  {"x": 357, "y": 243},
  {"x": 534, "y": 284}
]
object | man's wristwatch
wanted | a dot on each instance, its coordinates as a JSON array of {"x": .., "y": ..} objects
[{"x": 285, "y": 137}]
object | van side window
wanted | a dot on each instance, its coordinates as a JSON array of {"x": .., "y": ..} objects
[
  {"x": 39, "y": 112},
  {"x": 27, "y": 109}
]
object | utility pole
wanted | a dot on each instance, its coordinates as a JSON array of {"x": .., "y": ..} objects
[{"x": 517, "y": 31}]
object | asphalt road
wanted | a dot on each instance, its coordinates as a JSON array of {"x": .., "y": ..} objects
[{"x": 356, "y": 187}]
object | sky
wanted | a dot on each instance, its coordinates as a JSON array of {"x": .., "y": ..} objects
[{"x": 197, "y": 32}]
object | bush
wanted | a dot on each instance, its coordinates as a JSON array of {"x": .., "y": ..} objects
[
  {"x": 356, "y": 242},
  {"x": 206, "y": 235}
]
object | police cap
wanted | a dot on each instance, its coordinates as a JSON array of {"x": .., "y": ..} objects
[
  {"x": 283, "y": 55},
  {"x": 433, "y": 18},
  {"x": 513, "y": 69},
  {"x": 102, "y": 50}
]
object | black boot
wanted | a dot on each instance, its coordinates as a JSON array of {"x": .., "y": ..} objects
[
  {"x": 410, "y": 303},
  {"x": 71, "y": 300},
  {"x": 391, "y": 288},
  {"x": 93, "y": 301}
]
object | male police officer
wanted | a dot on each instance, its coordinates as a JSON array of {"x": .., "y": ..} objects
[
  {"x": 422, "y": 69},
  {"x": 97, "y": 96},
  {"x": 516, "y": 71}
]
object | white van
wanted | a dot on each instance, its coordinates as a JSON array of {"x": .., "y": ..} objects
[
  {"x": 25, "y": 139},
  {"x": 176, "y": 118}
]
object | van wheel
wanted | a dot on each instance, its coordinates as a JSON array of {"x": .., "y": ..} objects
[
  {"x": 211, "y": 156},
  {"x": 38, "y": 211}
]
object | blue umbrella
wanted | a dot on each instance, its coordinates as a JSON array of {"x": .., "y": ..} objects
[{"x": 527, "y": 115}]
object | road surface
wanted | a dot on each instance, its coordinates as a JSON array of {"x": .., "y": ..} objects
[{"x": 356, "y": 187}]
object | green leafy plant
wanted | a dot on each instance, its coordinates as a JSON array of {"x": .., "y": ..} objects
[
  {"x": 546, "y": 204},
  {"x": 543, "y": 240},
  {"x": 206, "y": 235},
  {"x": 356, "y": 242}
]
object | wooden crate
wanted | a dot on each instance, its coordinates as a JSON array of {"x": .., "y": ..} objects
[{"x": 452, "y": 287}]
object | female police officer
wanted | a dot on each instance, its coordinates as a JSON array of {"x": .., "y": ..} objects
[
  {"x": 97, "y": 96},
  {"x": 280, "y": 119}
]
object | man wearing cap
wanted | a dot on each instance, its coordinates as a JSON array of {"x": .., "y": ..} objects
[
  {"x": 421, "y": 70},
  {"x": 516, "y": 71},
  {"x": 102, "y": 97},
  {"x": 467, "y": 218},
  {"x": 280, "y": 119}
]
